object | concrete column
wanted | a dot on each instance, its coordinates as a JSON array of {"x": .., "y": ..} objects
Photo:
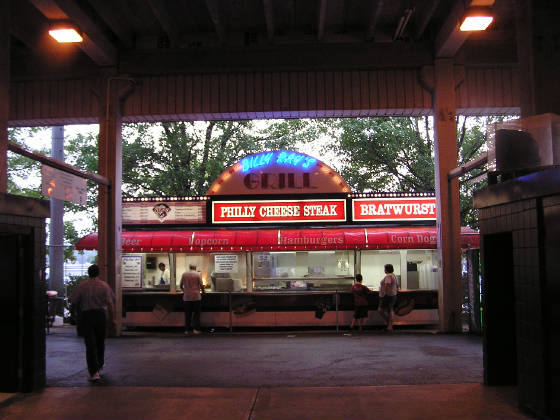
[
  {"x": 4, "y": 91},
  {"x": 110, "y": 166},
  {"x": 538, "y": 51},
  {"x": 447, "y": 196},
  {"x": 56, "y": 226}
]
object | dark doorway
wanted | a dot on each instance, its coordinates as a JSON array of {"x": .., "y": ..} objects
[
  {"x": 500, "y": 352},
  {"x": 19, "y": 312}
]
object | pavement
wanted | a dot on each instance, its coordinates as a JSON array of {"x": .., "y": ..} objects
[{"x": 408, "y": 374}]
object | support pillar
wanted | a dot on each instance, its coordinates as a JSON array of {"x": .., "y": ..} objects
[
  {"x": 56, "y": 226},
  {"x": 110, "y": 216},
  {"x": 447, "y": 196},
  {"x": 538, "y": 50},
  {"x": 4, "y": 91}
]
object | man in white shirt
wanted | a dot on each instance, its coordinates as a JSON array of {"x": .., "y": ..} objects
[{"x": 164, "y": 275}]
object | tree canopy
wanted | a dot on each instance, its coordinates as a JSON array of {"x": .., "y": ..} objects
[
  {"x": 397, "y": 154},
  {"x": 184, "y": 158}
]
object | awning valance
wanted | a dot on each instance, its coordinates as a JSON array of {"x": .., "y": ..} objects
[{"x": 281, "y": 239}]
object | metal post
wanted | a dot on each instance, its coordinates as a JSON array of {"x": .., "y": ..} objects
[
  {"x": 336, "y": 307},
  {"x": 230, "y": 313},
  {"x": 56, "y": 226}
]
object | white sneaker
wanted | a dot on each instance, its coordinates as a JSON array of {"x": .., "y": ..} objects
[
  {"x": 95, "y": 377},
  {"x": 197, "y": 332},
  {"x": 186, "y": 333}
]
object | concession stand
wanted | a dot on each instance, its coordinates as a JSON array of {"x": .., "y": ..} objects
[{"x": 278, "y": 239}]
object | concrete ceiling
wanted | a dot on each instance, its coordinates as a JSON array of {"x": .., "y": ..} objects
[{"x": 154, "y": 37}]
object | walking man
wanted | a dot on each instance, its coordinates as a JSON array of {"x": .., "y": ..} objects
[
  {"x": 94, "y": 298},
  {"x": 192, "y": 287}
]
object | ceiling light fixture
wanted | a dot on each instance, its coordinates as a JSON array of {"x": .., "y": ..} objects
[
  {"x": 476, "y": 19},
  {"x": 65, "y": 33}
]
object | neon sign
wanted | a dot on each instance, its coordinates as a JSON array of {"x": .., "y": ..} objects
[{"x": 285, "y": 158}]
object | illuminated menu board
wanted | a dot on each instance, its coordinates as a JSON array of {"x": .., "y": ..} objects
[
  {"x": 274, "y": 211},
  {"x": 164, "y": 212},
  {"x": 394, "y": 209}
]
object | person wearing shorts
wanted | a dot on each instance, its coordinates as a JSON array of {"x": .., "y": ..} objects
[
  {"x": 360, "y": 293},
  {"x": 388, "y": 296}
]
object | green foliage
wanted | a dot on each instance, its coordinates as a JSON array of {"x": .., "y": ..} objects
[
  {"x": 73, "y": 282},
  {"x": 71, "y": 285},
  {"x": 81, "y": 151},
  {"x": 397, "y": 154},
  {"x": 383, "y": 154},
  {"x": 471, "y": 138},
  {"x": 186, "y": 157},
  {"x": 71, "y": 236},
  {"x": 21, "y": 168}
]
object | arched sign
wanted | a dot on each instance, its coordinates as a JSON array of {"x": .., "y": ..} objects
[{"x": 278, "y": 172}]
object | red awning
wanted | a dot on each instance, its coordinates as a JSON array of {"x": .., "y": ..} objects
[{"x": 281, "y": 239}]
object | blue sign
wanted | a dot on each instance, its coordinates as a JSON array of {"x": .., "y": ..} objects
[{"x": 284, "y": 158}]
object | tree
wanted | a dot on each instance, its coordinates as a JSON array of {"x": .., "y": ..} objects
[
  {"x": 397, "y": 154},
  {"x": 382, "y": 154},
  {"x": 24, "y": 176},
  {"x": 184, "y": 158},
  {"x": 20, "y": 168}
]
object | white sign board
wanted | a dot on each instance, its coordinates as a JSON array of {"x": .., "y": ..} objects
[
  {"x": 141, "y": 213},
  {"x": 225, "y": 263},
  {"x": 62, "y": 185},
  {"x": 131, "y": 271}
]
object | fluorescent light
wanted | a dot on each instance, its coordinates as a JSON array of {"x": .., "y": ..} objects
[
  {"x": 66, "y": 35},
  {"x": 476, "y": 23},
  {"x": 477, "y": 19}
]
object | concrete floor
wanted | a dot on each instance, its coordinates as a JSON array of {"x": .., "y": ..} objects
[
  {"x": 165, "y": 375},
  {"x": 270, "y": 360}
]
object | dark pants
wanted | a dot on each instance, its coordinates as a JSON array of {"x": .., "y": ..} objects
[
  {"x": 192, "y": 313},
  {"x": 93, "y": 328}
]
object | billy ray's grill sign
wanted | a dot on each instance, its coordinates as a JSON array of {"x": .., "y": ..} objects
[
  {"x": 394, "y": 209},
  {"x": 274, "y": 211}
]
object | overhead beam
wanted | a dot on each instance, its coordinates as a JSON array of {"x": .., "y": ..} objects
[
  {"x": 95, "y": 44},
  {"x": 376, "y": 8},
  {"x": 27, "y": 25},
  {"x": 450, "y": 39},
  {"x": 312, "y": 57},
  {"x": 58, "y": 164},
  {"x": 322, "y": 19},
  {"x": 215, "y": 15},
  {"x": 166, "y": 20},
  {"x": 25, "y": 36},
  {"x": 269, "y": 19},
  {"x": 119, "y": 28},
  {"x": 424, "y": 18}
]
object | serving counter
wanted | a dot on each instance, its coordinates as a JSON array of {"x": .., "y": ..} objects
[{"x": 273, "y": 309}]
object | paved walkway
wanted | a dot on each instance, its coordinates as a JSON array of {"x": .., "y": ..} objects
[
  {"x": 464, "y": 401},
  {"x": 165, "y": 375}
]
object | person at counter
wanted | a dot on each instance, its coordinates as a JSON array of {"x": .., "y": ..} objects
[
  {"x": 192, "y": 287},
  {"x": 360, "y": 293},
  {"x": 388, "y": 296},
  {"x": 164, "y": 275}
]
